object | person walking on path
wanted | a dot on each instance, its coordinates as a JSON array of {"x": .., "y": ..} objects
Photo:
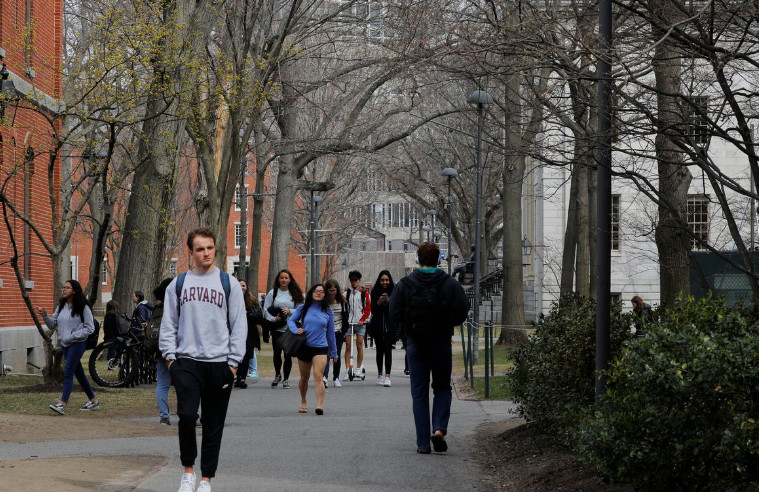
[
  {"x": 202, "y": 338},
  {"x": 254, "y": 316},
  {"x": 281, "y": 300},
  {"x": 642, "y": 312},
  {"x": 359, "y": 309},
  {"x": 142, "y": 308},
  {"x": 317, "y": 322},
  {"x": 428, "y": 304},
  {"x": 381, "y": 327},
  {"x": 339, "y": 309},
  {"x": 163, "y": 378},
  {"x": 74, "y": 323}
]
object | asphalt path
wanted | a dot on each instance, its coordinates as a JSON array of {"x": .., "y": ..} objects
[{"x": 364, "y": 441}]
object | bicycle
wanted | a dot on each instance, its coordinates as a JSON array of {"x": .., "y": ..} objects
[{"x": 131, "y": 365}]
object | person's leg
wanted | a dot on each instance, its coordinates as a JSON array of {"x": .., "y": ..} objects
[
  {"x": 379, "y": 355},
  {"x": 188, "y": 384},
  {"x": 304, "y": 368},
  {"x": 277, "y": 352},
  {"x": 387, "y": 349},
  {"x": 254, "y": 363},
  {"x": 215, "y": 400},
  {"x": 76, "y": 352},
  {"x": 348, "y": 348},
  {"x": 339, "y": 340},
  {"x": 359, "y": 350},
  {"x": 163, "y": 381},
  {"x": 242, "y": 368},
  {"x": 441, "y": 366},
  {"x": 319, "y": 362},
  {"x": 287, "y": 367},
  {"x": 68, "y": 374},
  {"x": 420, "y": 393}
]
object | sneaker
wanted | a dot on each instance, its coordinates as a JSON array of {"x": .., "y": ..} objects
[
  {"x": 204, "y": 486},
  {"x": 58, "y": 407},
  {"x": 254, "y": 377},
  {"x": 380, "y": 380},
  {"x": 387, "y": 382},
  {"x": 90, "y": 406},
  {"x": 336, "y": 383},
  {"x": 285, "y": 384},
  {"x": 188, "y": 483},
  {"x": 276, "y": 381},
  {"x": 165, "y": 421},
  {"x": 326, "y": 382},
  {"x": 405, "y": 371},
  {"x": 345, "y": 376},
  {"x": 241, "y": 384}
]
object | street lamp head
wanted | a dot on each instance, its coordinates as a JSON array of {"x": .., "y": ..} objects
[
  {"x": 449, "y": 173},
  {"x": 431, "y": 212},
  {"x": 318, "y": 199},
  {"x": 526, "y": 246},
  {"x": 479, "y": 98}
]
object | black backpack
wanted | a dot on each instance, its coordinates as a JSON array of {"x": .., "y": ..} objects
[
  {"x": 92, "y": 340},
  {"x": 426, "y": 313},
  {"x": 153, "y": 331}
]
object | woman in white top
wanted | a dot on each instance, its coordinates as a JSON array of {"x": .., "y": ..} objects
[
  {"x": 281, "y": 300},
  {"x": 74, "y": 323},
  {"x": 336, "y": 303}
]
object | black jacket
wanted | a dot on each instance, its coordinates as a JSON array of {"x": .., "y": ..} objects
[
  {"x": 381, "y": 322},
  {"x": 456, "y": 302}
]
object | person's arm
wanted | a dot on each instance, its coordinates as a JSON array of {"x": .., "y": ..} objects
[
  {"x": 167, "y": 339},
  {"x": 238, "y": 325},
  {"x": 367, "y": 308},
  {"x": 267, "y": 304},
  {"x": 459, "y": 307},
  {"x": 87, "y": 327},
  {"x": 331, "y": 334},
  {"x": 396, "y": 309},
  {"x": 296, "y": 315}
]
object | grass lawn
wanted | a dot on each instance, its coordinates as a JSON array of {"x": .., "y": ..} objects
[{"x": 502, "y": 362}]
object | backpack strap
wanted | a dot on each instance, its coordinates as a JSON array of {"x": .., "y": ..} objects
[{"x": 179, "y": 286}]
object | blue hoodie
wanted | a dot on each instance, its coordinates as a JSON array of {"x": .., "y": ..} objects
[{"x": 319, "y": 327}]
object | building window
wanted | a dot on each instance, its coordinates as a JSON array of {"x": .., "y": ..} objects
[
  {"x": 698, "y": 119},
  {"x": 238, "y": 235},
  {"x": 239, "y": 198},
  {"x": 615, "y": 222},
  {"x": 698, "y": 220},
  {"x": 105, "y": 271},
  {"x": 614, "y": 297},
  {"x": 173, "y": 267}
]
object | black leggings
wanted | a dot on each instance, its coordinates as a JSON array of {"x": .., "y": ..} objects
[
  {"x": 384, "y": 342},
  {"x": 278, "y": 356}
]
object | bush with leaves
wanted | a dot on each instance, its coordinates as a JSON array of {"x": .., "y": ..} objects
[
  {"x": 553, "y": 380},
  {"x": 682, "y": 404}
]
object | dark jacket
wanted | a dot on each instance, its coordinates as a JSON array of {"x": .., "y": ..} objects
[
  {"x": 456, "y": 304},
  {"x": 254, "y": 317},
  {"x": 381, "y": 323},
  {"x": 110, "y": 326},
  {"x": 641, "y": 318}
]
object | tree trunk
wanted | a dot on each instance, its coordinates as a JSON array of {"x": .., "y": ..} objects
[
  {"x": 287, "y": 184},
  {"x": 672, "y": 232},
  {"x": 570, "y": 236},
  {"x": 582, "y": 271}
]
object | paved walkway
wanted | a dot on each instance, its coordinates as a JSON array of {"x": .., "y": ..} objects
[{"x": 364, "y": 441}]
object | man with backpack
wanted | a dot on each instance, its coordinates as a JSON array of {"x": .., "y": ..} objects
[
  {"x": 202, "y": 338},
  {"x": 427, "y": 304}
]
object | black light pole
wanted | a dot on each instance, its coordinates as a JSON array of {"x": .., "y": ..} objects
[
  {"x": 316, "y": 200},
  {"x": 603, "y": 244},
  {"x": 449, "y": 173},
  {"x": 313, "y": 234},
  {"x": 478, "y": 99}
]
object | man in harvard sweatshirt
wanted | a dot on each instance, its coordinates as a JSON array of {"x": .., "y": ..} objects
[{"x": 202, "y": 338}]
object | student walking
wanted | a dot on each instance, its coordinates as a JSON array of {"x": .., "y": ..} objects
[
  {"x": 317, "y": 322},
  {"x": 359, "y": 307},
  {"x": 203, "y": 341},
  {"x": 163, "y": 378},
  {"x": 336, "y": 303},
  {"x": 254, "y": 317},
  {"x": 381, "y": 327},
  {"x": 281, "y": 300},
  {"x": 73, "y": 322}
]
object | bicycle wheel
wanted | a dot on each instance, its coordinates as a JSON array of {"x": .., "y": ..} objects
[{"x": 116, "y": 372}]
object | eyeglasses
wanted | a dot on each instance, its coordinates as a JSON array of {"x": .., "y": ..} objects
[{"x": 318, "y": 292}]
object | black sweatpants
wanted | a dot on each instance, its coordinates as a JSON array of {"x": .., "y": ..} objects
[
  {"x": 285, "y": 366},
  {"x": 206, "y": 384},
  {"x": 384, "y": 343}
]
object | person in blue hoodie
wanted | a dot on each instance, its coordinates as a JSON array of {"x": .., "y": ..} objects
[{"x": 318, "y": 323}]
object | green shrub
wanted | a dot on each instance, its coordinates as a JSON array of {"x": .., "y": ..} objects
[
  {"x": 553, "y": 380},
  {"x": 682, "y": 404}
]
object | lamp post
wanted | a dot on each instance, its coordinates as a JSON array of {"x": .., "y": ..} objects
[
  {"x": 449, "y": 173},
  {"x": 315, "y": 199},
  {"x": 478, "y": 99}
]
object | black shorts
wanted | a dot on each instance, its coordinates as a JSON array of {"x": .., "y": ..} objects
[{"x": 306, "y": 353}]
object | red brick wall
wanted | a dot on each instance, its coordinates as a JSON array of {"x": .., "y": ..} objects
[{"x": 26, "y": 128}]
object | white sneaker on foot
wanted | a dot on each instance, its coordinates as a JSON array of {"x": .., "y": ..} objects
[
  {"x": 188, "y": 483},
  {"x": 345, "y": 376},
  {"x": 380, "y": 380},
  {"x": 336, "y": 383},
  {"x": 204, "y": 486},
  {"x": 387, "y": 382}
]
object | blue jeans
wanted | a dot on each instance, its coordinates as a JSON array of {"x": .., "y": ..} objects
[
  {"x": 73, "y": 367},
  {"x": 339, "y": 340},
  {"x": 253, "y": 363},
  {"x": 163, "y": 381},
  {"x": 425, "y": 359}
]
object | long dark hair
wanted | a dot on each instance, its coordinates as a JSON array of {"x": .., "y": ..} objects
[
  {"x": 310, "y": 299},
  {"x": 377, "y": 289},
  {"x": 332, "y": 283},
  {"x": 78, "y": 301},
  {"x": 295, "y": 291},
  {"x": 248, "y": 297},
  {"x": 160, "y": 291}
]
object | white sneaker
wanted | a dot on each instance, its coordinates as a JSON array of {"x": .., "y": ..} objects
[
  {"x": 188, "y": 483},
  {"x": 336, "y": 383},
  {"x": 380, "y": 380},
  {"x": 387, "y": 382},
  {"x": 345, "y": 376},
  {"x": 326, "y": 382},
  {"x": 204, "y": 486}
]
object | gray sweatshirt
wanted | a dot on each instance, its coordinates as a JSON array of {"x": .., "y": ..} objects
[
  {"x": 283, "y": 299},
  {"x": 200, "y": 330},
  {"x": 71, "y": 329}
]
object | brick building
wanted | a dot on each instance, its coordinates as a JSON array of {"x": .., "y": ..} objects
[{"x": 31, "y": 89}]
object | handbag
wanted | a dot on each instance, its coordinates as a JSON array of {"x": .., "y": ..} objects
[{"x": 291, "y": 342}]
